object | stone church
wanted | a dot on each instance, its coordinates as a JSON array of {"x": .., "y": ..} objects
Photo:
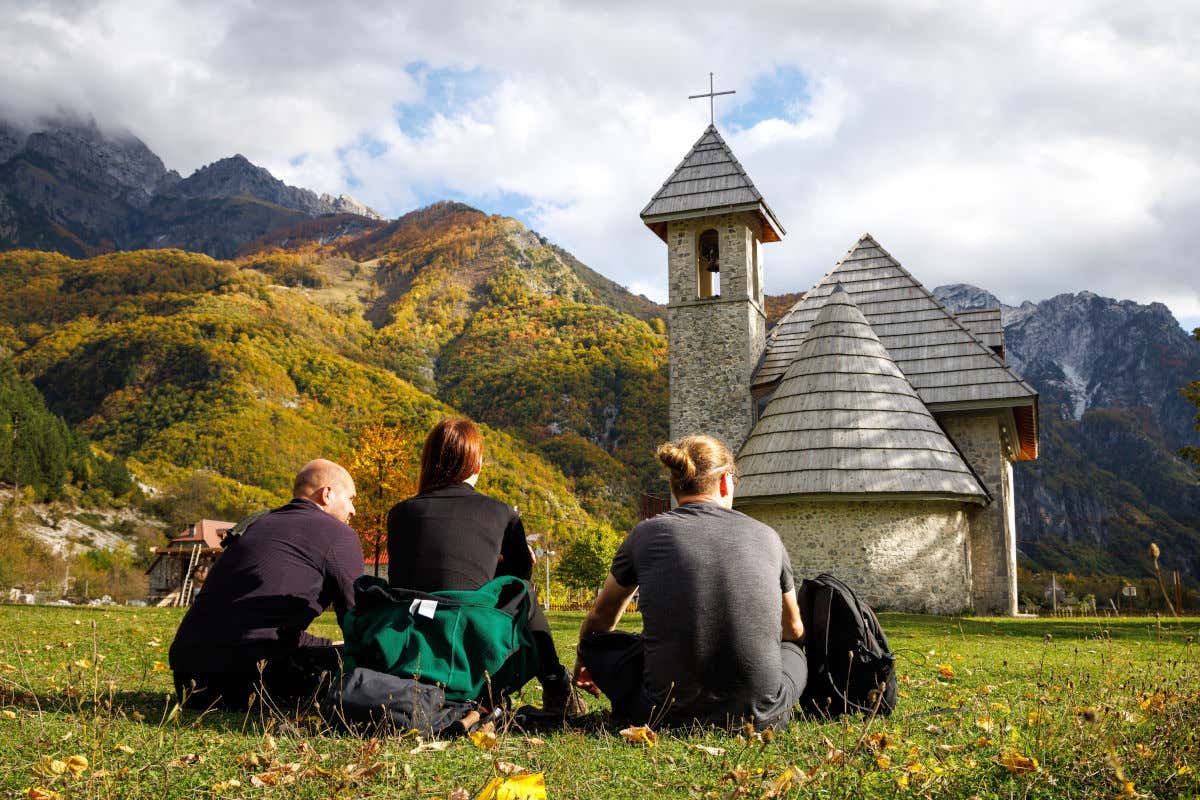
[{"x": 875, "y": 430}]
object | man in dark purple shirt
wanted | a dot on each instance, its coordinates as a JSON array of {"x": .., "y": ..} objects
[{"x": 245, "y": 632}]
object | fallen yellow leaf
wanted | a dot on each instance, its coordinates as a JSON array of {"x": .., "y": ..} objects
[
  {"x": 639, "y": 735},
  {"x": 50, "y": 766},
  {"x": 710, "y": 751},
  {"x": 882, "y": 761},
  {"x": 8, "y": 714},
  {"x": 879, "y": 741},
  {"x": 946, "y": 671},
  {"x": 1153, "y": 702},
  {"x": 160, "y": 666},
  {"x": 77, "y": 765},
  {"x": 1016, "y": 763},
  {"x": 430, "y": 747},
  {"x": 1143, "y": 751},
  {"x": 42, "y": 793},
  {"x": 484, "y": 740},
  {"x": 82, "y": 663},
  {"x": 520, "y": 787},
  {"x": 123, "y": 748},
  {"x": 507, "y": 768},
  {"x": 792, "y": 776}
]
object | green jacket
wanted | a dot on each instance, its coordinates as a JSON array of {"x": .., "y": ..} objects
[{"x": 474, "y": 644}]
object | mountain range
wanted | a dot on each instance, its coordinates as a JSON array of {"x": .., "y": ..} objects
[
  {"x": 68, "y": 186},
  {"x": 1109, "y": 480},
  {"x": 318, "y": 317}
]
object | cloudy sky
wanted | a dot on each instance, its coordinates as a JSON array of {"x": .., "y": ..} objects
[{"x": 1029, "y": 148}]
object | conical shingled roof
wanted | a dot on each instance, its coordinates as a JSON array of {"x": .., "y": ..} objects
[
  {"x": 944, "y": 361},
  {"x": 845, "y": 422},
  {"x": 708, "y": 181}
]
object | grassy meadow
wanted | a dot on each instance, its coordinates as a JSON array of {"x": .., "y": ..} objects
[{"x": 990, "y": 708}]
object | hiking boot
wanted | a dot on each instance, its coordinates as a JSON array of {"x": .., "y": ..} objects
[{"x": 561, "y": 698}]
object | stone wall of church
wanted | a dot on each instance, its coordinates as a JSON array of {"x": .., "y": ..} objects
[
  {"x": 993, "y": 528},
  {"x": 899, "y": 555},
  {"x": 716, "y": 342}
]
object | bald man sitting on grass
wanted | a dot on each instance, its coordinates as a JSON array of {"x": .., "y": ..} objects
[{"x": 245, "y": 632}]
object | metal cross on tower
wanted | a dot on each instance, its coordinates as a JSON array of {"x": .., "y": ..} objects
[{"x": 711, "y": 94}]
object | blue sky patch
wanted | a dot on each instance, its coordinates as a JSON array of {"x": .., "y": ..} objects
[
  {"x": 779, "y": 94},
  {"x": 443, "y": 91}
]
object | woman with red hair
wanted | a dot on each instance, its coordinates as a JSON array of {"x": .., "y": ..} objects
[{"x": 449, "y": 536}]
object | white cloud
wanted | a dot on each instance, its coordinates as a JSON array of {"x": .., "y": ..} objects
[{"x": 1030, "y": 149}]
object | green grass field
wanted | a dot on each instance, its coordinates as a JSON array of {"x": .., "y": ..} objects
[{"x": 989, "y": 708}]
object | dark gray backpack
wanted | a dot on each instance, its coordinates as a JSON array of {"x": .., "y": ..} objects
[
  {"x": 850, "y": 667},
  {"x": 366, "y": 700}
]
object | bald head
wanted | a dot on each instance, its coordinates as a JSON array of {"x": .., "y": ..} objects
[{"x": 328, "y": 485}]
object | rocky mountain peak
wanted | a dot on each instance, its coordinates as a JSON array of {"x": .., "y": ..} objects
[
  {"x": 345, "y": 204},
  {"x": 1086, "y": 351},
  {"x": 237, "y": 175},
  {"x": 12, "y": 140},
  {"x": 119, "y": 164},
  {"x": 965, "y": 297}
]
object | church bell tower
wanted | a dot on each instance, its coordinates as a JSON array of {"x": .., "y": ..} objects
[{"x": 714, "y": 223}]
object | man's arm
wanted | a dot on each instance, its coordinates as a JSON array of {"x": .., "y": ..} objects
[
  {"x": 608, "y": 609},
  {"x": 606, "y": 612},
  {"x": 343, "y": 566},
  {"x": 793, "y": 626}
]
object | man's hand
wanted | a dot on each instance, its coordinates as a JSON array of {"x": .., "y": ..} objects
[{"x": 583, "y": 680}]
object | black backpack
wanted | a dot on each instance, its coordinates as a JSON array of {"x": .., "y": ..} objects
[
  {"x": 850, "y": 668},
  {"x": 369, "y": 701}
]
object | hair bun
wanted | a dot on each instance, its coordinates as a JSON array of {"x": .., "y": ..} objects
[{"x": 678, "y": 460}]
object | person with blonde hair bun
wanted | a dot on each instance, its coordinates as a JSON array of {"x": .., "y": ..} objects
[{"x": 721, "y": 630}]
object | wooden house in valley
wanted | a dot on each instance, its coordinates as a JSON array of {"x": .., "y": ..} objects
[{"x": 180, "y": 566}]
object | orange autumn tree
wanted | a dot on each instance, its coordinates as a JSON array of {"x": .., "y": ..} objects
[{"x": 385, "y": 464}]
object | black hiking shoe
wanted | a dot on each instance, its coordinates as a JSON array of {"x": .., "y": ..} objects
[{"x": 560, "y": 698}]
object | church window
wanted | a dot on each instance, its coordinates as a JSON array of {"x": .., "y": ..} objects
[
  {"x": 708, "y": 264},
  {"x": 755, "y": 272}
]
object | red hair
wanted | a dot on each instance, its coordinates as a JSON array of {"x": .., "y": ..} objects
[{"x": 453, "y": 452}]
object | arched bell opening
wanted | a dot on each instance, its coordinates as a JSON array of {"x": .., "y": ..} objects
[{"x": 708, "y": 264}]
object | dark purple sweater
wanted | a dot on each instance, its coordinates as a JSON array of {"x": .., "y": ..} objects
[{"x": 266, "y": 588}]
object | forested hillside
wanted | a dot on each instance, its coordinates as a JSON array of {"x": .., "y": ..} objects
[
  {"x": 493, "y": 319},
  {"x": 213, "y": 380},
  {"x": 40, "y": 452}
]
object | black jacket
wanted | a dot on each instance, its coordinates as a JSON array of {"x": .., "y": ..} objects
[
  {"x": 454, "y": 538},
  {"x": 266, "y": 587}
]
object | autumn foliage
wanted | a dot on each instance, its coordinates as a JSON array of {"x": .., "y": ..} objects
[{"x": 384, "y": 465}]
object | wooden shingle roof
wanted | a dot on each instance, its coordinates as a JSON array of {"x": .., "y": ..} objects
[
  {"x": 948, "y": 364},
  {"x": 708, "y": 181},
  {"x": 845, "y": 422},
  {"x": 986, "y": 324}
]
